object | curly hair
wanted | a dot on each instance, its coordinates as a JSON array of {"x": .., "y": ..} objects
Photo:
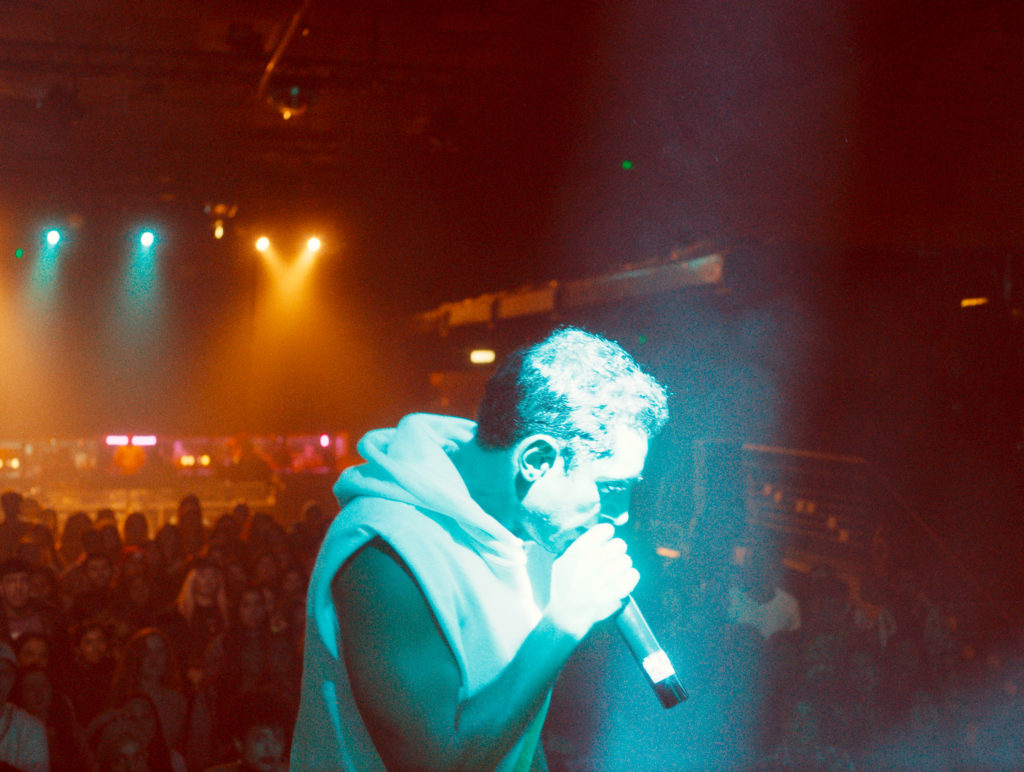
[{"x": 575, "y": 386}]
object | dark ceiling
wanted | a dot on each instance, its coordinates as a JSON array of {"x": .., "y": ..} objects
[
  {"x": 495, "y": 131},
  {"x": 448, "y": 148}
]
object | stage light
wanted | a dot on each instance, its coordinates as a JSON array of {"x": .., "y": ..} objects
[
  {"x": 204, "y": 460},
  {"x": 187, "y": 460},
  {"x": 117, "y": 439},
  {"x": 325, "y": 441},
  {"x": 262, "y": 243},
  {"x": 481, "y": 356},
  {"x": 314, "y": 244},
  {"x": 218, "y": 229},
  {"x": 146, "y": 239},
  {"x": 972, "y": 302},
  {"x": 53, "y": 237},
  {"x": 19, "y": 253},
  {"x": 144, "y": 440}
]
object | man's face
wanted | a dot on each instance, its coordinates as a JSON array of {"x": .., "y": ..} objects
[
  {"x": 207, "y": 581},
  {"x": 262, "y": 748},
  {"x": 252, "y": 611},
  {"x": 14, "y": 587},
  {"x": 34, "y": 651},
  {"x": 93, "y": 646},
  {"x": 129, "y": 755},
  {"x": 99, "y": 573},
  {"x": 561, "y": 504}
]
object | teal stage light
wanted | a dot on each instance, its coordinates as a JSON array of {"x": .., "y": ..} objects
[{"x": 53, "y": 237}]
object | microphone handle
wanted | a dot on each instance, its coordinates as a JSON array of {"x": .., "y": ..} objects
[{"x": 649, "y": 655}]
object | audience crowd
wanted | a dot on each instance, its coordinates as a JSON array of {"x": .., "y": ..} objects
[
  {"x": 181, "y": 650},
  {"x": 122, "y": 649},
  {"x": 819, "y": 668}
]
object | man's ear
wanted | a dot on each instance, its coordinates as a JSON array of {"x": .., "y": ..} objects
[{"x": 537, "y": 454}]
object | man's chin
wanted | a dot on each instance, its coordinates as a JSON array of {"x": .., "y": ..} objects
[{"x": 562, "y": 541}]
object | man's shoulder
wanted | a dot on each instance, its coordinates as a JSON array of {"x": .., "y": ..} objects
[{"x": 20, "y": 723}]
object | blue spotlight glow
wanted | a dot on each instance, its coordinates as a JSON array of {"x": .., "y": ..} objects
[
  {"x": 141, "y": 277},
  {"x": 46, "y": 268}
]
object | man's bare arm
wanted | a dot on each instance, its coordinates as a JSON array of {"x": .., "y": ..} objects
[{"x": 404, "y": 676}]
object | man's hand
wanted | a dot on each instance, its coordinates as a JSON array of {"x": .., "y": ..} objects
[
  {"x": 589, "y": 581},
  {"x": 406, "y": 681}
]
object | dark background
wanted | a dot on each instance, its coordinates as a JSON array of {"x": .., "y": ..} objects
[{"x": 858, "y": 163}]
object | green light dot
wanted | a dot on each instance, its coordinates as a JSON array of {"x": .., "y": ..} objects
[
  {"x": 19, "y": 253},
  {"x": 641, "y": 339},
  {"x": 627, "y": 164}
]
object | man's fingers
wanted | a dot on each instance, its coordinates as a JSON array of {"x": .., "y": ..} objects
[{"x": 601, "y": 532}]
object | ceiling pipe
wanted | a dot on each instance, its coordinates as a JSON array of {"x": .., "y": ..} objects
[{"x": 279, "y": 51}]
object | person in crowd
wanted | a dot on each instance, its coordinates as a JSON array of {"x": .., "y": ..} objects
[
  {"x": 48, "y": 519},
  {"x": 264, "y": 535},
  {"x": 307, "y": 534},
  {"x": 23, "y": 742},
  {"x": 757, "y": 599},
  {"x": 135, "y": 530},
  {"x": 292, "y": 603},
  {"x": 33, "y": 650},
  {"x": 36, "y": 547},
  {"x": 246, "y": 464},
  {"x": 36, "y": 693},
  {"x": 110, "y": 542},
  {"x": 44, "y": 589},
  {"x": 227, "y": 530},
  {"x": 135, "y": 603},
  {"x": 190, "y": 523},
  {"x": 164, "y": 587},
  {"x": 71, "y": 537},
  {"x": 105, "y": 516},
  {"x": 175, "y": 561},
  {"x": 248, "y": 655},
  {"x": 258, "y": 726},
  {"x": 149, "y": 665},
  {"x": 142, "y": 712},
  {"x": 20, "y": 614},
  {"x": 73, "y": 580},
  {"x": 803, "y": 745},
  {"x": 426, "y": 645},
  {"x": 130, "y": 736},
  {"x": 13, "y": 527},
  {"x": 96, "y": 597},
  {"x": 118, "y": 748},
  {"x": 199, "y": 614},
  {"x": 90, "y": 673}
]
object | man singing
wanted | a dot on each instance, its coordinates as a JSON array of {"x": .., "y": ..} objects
[{"x": 469, "y": 560}]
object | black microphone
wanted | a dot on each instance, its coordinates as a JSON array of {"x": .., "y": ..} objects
[{"x": 650, "y": 656}]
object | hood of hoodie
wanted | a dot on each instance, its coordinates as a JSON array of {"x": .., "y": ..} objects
[{"x": 411, "y": 464}]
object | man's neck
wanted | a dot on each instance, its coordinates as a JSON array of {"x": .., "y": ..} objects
[{"x": 489, "y": 480}]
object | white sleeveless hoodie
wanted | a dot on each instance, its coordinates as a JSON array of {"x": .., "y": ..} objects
[{"x": 474, "y": 572}]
